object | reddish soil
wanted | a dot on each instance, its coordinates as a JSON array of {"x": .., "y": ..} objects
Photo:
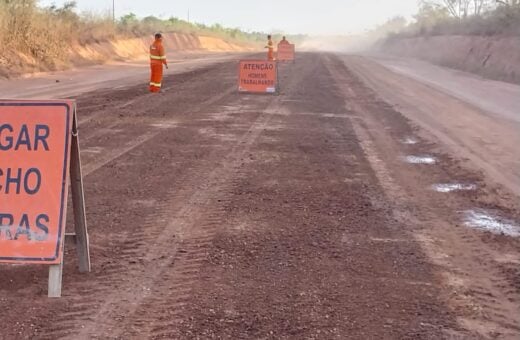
[{"x": 218, "y": 215}]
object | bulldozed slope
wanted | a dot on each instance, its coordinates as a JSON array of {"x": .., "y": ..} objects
[
  {"x": 114, "y": 50},
  {"x": 137, "y": 48},
  {"x": 493, "y": 57}
]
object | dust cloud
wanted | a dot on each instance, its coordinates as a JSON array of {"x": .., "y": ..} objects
[{"x": 340, "y": 43}]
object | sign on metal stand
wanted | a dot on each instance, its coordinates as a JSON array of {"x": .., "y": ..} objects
[
  {"x": 258, "y": 76},
  {"x": 39, "y": 154},
  {"x": 286, "y": 52}
]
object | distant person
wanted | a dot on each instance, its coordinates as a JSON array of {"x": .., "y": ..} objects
[
  {"x": 157, "y": 60},
  {"x": 270, "y": 48},
  {"x": 284, "y": 41}
]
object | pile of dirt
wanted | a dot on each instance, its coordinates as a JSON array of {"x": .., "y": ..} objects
[
  {"x": 493, "y": 57},
  {"x": 116, "y": 50}
]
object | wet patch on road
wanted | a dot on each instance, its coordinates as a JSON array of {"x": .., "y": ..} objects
[
  {"x": 451, "y": 187},
  {"x": 167, "y": 124},
  {"x": 334, "y": 115},
  {"x": 409, "y": 141},
  {"x": 482, "y": 220},
  {"x": 420, "y": 159}
]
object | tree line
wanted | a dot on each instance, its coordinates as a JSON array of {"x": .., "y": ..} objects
[{"x": 465, "y": 17}]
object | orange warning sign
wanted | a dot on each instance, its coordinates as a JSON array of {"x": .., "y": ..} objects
[
  {"x": 35, "y": 144},
  {"x": 286, "y": 52},
  {"x": 258, "y": 76}
]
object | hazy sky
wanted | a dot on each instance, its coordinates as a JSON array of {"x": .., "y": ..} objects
[{"x": 290, "y": 16}]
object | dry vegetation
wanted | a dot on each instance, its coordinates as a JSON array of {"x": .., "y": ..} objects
[
  {"x": 457, "y": 17},
  {"x": 30, "y": 34}
]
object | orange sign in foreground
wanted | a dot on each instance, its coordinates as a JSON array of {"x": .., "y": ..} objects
[
  {"x": 35, "y": 144},
  {"x": 258, "y": 76},
  {"x": 286, "y": 52}
]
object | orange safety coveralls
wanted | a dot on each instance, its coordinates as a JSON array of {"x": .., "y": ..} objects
[
  {"x": 270, "y": 51},
  {"x": 157, "y": 60}
]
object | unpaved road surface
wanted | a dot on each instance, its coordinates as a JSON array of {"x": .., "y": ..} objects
[
  {"x": 478, "y": 119},
  {"x": 495, "y": 98},
  {"x": 110, "y": 76},
  {"x": 218, "y": 215}
]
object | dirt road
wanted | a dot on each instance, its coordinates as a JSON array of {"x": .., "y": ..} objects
[
  {"x": 478, "y": 119},
  {"x": 110, "y": 76},
  {"x": 215, "y": 215}
]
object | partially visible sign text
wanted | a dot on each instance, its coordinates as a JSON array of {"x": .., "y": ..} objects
[{"x": 35, "y": 142}]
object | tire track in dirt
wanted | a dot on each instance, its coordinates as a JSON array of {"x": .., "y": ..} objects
[
  {"x": 89, "y": 314},
  {"x": 161, "y": 249},
  {"x": 159, "y": 245},
  {"x": 85, "y": 297},
  {"x": 487, "y": 141},
  {"x": 149, "y": 265},
  {"x": 489, "y": 305},
  {"x": 141, "y": 105},
  {"x": 135, "y": 141},
  {"x": 302, "y": 258},
  {"x": 494, "y": 297},
  {"x": 196, "y": 231}
]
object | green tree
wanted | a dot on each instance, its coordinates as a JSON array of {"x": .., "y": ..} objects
[{"x": 430, "y": 13}]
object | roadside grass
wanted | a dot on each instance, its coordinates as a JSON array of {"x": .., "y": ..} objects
[{"x": 40, "y": 36}]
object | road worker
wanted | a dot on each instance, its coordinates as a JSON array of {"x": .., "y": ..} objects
[
  {"x": 284, "y": 41},
  {"x": 157, "y": 60},
  {"x": 270, "y": 48}
]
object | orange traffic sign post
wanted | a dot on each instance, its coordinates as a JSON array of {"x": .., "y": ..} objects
[
  {"x": 258, "y": 76},
  {"x": 39, "y": 153},
  {"x": 286, "y": 52}
]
